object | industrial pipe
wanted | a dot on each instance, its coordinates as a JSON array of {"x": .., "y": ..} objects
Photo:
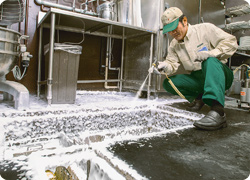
[
  {"x": 49, "y": 4},
  {"x": 150, "y": 62},
  {"x": 26, "y": 20},
  {"x": 51, "y": 55},
  {"x": 108, "y": 63},
  {"x": 39, "y": 60},
  {"x": 122, "y": 58}
]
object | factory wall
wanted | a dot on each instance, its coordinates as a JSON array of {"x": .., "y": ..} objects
[{"x": 92, "y": 60}]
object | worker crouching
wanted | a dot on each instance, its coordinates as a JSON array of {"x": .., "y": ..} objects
[{"x": 203, "y": 50}]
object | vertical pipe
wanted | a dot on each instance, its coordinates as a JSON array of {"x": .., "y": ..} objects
[
  {"x": 51, "y": 55},
  {"x": 26, "y": 19},
  {"x": 160, "y": 41},
  {"x": 150, "y": 63},
  {"x": 107, "y": 58},
  {"x": 74, "y": 5},
  {"x": 39, "y": 60},
  {"x": 159, "y": 56},
  {"x": 122, "y": 59},
  {"x": 199, "y": 16}
]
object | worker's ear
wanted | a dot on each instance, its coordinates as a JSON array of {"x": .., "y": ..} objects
[{"x": 184, "y": 21}]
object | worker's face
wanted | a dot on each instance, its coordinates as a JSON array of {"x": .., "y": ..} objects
[{"x": 180, "y": 32}]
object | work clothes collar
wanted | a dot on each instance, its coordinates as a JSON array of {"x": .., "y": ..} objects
[{"x": 188, "y": 35}]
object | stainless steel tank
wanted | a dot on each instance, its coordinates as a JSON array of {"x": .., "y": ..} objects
[
  {"x": 9, "y": 50},
  {"x": 11, "y": 11},
  {"x": 106, "y": 10}
]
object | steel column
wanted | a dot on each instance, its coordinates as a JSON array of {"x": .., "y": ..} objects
[
  {"x": 150, "y": 64},
  {"x": 39, "y": 61},
  {"x": 51, "y": 56},
  {"x": 122, "y": 59}
]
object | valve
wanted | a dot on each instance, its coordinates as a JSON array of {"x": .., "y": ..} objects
[
  {"x": 25, "y": 55},
  {"x": 26, "y": 59}
]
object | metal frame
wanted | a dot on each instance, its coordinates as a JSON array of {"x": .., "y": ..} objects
[{"x": 94, "y": 26}]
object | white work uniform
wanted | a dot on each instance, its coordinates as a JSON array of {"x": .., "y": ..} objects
[{"x": 220, "y": 44}]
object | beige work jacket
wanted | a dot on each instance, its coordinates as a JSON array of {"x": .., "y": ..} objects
[{"x": 222, "y": 45}]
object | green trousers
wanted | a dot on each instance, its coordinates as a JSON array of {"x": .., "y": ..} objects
[{"x": 212, "y": 81}]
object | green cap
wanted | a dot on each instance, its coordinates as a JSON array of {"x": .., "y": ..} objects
[
  {"x": 171, "y": 26},
  {"x": 170, "y": 19}
]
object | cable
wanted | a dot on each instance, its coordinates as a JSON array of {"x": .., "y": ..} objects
[
  {"x": 83, "y": 37},
  {"x": 17, "y": 73}
]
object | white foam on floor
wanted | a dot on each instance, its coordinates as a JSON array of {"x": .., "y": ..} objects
[{"x": 46, "y": 136}]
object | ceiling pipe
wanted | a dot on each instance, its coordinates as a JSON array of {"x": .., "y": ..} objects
[
  {"x": 49, "y": 4},
  {"x": 26, "y": 20}
]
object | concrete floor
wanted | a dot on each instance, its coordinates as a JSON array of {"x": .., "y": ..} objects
[
  {"x": 193, "y": 154},
  {"x": 187, "y": 153}
]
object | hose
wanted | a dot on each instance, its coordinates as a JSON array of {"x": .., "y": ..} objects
[
  {"x": 174, "y": 87},
  {"x": 181, "y": 95},
  {"x": 170, "y": 81},
  {"x": 236, "y": 69}
]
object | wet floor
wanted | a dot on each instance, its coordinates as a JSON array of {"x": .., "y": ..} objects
[
  {"x": 142, "y": 139},
  {"x": 193, "y": 154}
]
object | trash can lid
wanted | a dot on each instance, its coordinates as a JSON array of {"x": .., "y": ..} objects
[{"x": 74, "y": 49}]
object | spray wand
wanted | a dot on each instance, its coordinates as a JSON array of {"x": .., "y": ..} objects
[{"x": 154, "y": 68}]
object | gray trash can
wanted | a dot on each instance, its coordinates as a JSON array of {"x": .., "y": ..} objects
[{"x": 65, "y": 72}]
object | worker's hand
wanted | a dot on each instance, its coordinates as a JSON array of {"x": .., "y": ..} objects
[
  {"x": 151, "y": 70},
  {"x": 203, "y": 55},
  {"x": 154, "y": 70},
  {"x": 162, "y": 66}
]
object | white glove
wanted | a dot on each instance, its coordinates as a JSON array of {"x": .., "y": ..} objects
[
  {"x": 154, "y": 70},
  {"x": 162, "y": 65},
  {"x": 203, "y": 55},
  {"x": 151, "y": 70}
]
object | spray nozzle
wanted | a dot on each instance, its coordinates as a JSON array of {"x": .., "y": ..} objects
[{"x": 154, "y": 69}]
